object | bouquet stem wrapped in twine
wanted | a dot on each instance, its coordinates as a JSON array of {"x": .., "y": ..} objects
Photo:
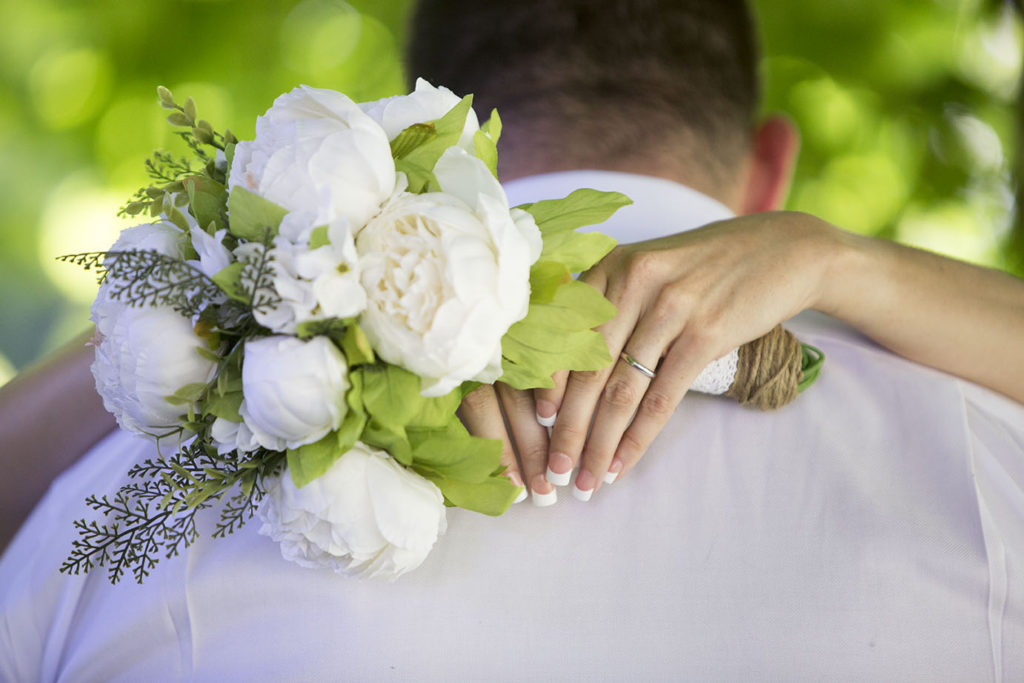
[{"x": 773, "y": 369}]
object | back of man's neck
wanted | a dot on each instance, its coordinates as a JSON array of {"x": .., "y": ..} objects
[{"x": 519, "y": 166}]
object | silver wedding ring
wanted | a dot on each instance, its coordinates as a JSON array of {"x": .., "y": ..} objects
[{"x": 637, "y": 364}]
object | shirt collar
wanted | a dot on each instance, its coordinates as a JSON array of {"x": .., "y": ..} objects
[{"x": 660, "y": 207}]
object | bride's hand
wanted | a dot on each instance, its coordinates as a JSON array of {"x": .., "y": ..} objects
[{"x": 683, "y": 301}]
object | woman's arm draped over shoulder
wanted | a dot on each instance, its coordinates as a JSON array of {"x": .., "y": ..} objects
[
  {"x": 689, "y": 298},
  {"x": 49, "y": 416},
  {"x": 962, "y": 319}
]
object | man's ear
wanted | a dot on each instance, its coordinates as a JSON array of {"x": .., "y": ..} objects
[{"x": 773, "y": 155}]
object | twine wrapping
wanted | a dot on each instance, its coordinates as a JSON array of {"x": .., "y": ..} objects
[{"x": 773, "y": 369}]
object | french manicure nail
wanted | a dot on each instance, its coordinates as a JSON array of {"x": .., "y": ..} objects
[
  {"x": 546, "y": 421},
  {"x": 583, "y": 489},
  {"x": 559, "y": 469},
  {"x": 521, "y": 497},
  {"x": 542, "y": 500},
  {"x": 559, "y": 479},
  {"x": 546, "y": 408},
  {"x": 613, "y": 472},
  {"x": 582, "y": 496}
]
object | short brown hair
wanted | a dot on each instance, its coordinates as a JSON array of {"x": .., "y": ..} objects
[{"x": 610, "y": 75}]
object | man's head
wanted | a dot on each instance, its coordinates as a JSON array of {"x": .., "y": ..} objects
[{"x": 663, "y": 87}]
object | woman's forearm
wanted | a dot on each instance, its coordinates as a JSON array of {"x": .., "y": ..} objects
[
  {"x": 49, "y": 416},
  {"x": 954, "y": 316}
]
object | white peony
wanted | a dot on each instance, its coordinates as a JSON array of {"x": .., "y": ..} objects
[
  {"x": 314, "y": 284},
  {"x": 315, "y": 150},
  {"x": 367, "y": 515},
  {"x": 162, "y": 237},
  {"x": 425, "y": 103},
  {"x": 147, "y": 353},
  {"x": 446, "y": 274},
  {"x": 294, "y": 390}
]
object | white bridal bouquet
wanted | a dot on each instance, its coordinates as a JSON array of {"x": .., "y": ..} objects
[{"x": 299, "y": 322}]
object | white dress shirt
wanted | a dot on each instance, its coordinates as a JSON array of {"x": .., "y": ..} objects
[{"x": 872, "y": 530}]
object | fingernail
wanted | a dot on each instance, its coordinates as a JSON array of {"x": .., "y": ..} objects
[
  {"x": 559, "y": 469},
  {"x": 613, "y": 472},
  {"x": 546, "y": 413},
  {"x": 521, "y": 497},
  {"x": 546, "y": 421},
  {"x": 583, "y": 489},
  {"x": 540, "y": 497}
]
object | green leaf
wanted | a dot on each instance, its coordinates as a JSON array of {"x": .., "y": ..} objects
[
  {"x": 411, "y": 138},
  {"x": 577, "y": 250},
  {"x": 225, "y": 406},
  {"x": 575, "y": 306},
  {"x": 308, "y": 462},
  {"x": 178, "y": 119},
  {"x": 186, "y": 394},
  {"x": 581, "y": 350},
  {"x": 388, "y": 437},
  {"x": 229, "y": 157},
  {"x": 350, "y": 429},
  {"x": 436, "y": 412},
  {"x": 492, "y": 127},
  {"x": 469, "y": 458},
  {"x": 545, "y": 279},
  {"x": 190, "y": 109},
  {"x": 493, "y": 496},
  {"x": 252, "y": 216},
  {"x": 390, "y": 394},
  {"x": 319, "y": 237},
  {"x": 356, "y": 346},
  {"x": 166, "y": 98},
  {"x": 449, "y": 129},
  {"x": 229, "y": 279},
  {"x": 486, "y": 151},
  {"x": 330, "y": 327},
  {"x": 520, "y": 377},
  {"x": 579, "y": 208},
  {"x": 207, "y": 199},
  {"x": 420, "y": 179}
]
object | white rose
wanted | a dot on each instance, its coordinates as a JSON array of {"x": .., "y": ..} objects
[
  {"x": 294, "y": 390},
  {"x": 314, "y": 284},
  {"x": 425, "y": 103},
  {"x": 446, "y": 274},
  {"x": 315, "y": 150},
  {"x": 147, "y": 354},
  {"x": 367, "y": 515}
]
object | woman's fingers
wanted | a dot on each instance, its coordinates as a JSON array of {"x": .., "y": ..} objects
[
  {"x": 531, "y": 442},
  {"x": 683, "y": 362},
  {"x": 548, "y": 401},
  {"x": 633, "y": 382},
  {"x": 481, "y": 414}
]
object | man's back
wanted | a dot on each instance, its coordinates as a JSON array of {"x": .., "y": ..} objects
[{"x": 860, "y": 530}]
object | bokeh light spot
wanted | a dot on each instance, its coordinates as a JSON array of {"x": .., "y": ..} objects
[
  {"x": 319, "y": 35},
  {"x": 949, "y": 228},
  {"x": 68, "y": 87},
  {"x": 79, "y": 216}
]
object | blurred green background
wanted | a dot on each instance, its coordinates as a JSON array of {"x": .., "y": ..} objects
[{"x": 908, "y": 112}]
